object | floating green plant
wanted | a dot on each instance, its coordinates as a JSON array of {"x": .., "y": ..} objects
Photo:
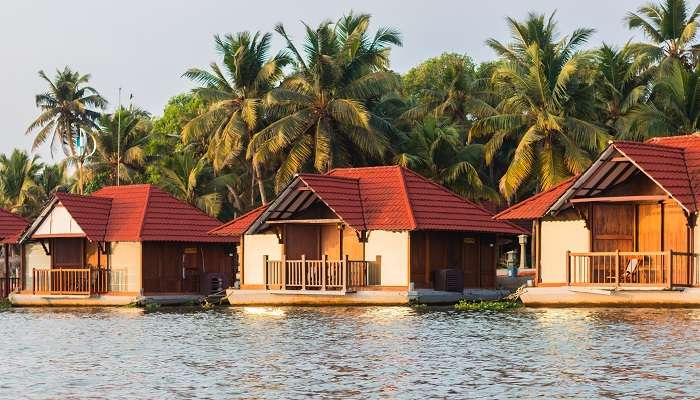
[{"x": 487, "y": 305}]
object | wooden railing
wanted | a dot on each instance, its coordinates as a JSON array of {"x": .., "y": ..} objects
[
  {"x": 617, "y": 268},
  {"x": 8, "y": 285},
  {"x": 70, "y": 281},
  {"x": 323, "y": 275}
]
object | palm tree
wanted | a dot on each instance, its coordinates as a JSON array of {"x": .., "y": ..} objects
[
  {"x": 233, "y": 94},
  {"x": 50, "y": 179},
  {"x": 547, "y": 106},
  {"x": 18, "y": 182},
  {"x": 671, "y": 29},
  {"x": 189, "y": 178},
  {"x": 622, "y": 83},
  {"x": 121, "y": 142},
  {"x": 458, "y": 95},
  {"x": 674, "y": 106},
  {"x": 324, "y": 118},
  {"x": 437, "y": 151},
  {"x": 69, "y": 107}
]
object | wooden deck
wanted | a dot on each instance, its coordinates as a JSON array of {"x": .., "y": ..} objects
[
  {"x": 665, "y": 269},
  {"x": 71, "y": 281},
  {"x": 321, "y": 275}
]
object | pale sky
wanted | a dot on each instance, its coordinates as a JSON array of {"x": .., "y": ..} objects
[{"x": 145, "y": 46}]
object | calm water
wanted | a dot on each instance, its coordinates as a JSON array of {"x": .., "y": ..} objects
[{"x": 349, "y": 352}]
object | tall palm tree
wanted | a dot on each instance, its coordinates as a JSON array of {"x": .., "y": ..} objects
[
  {"x": 547, "y": 106},
  {"x": 68, "y": 107},
  {"x": 671, "y": 28},
  {"x": 189, "y": 178},
  {"x": 233, "y": 93},
  {"x": 674, "y": 105},
  {"x": 622, "y": 83},
  {"x": 436, "y": 150},
  {"x": 324, "y": 118},
  {"x": 121, "y": 142},
  {"x": 18, "y": 182}
]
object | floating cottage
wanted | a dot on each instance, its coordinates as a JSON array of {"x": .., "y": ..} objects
[
  {"x": 119, "y": 245},
  {"x": 623, "y": 232},
  {"x": 374, "y": 235}
]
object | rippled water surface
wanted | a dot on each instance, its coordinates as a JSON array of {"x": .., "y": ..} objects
[{"x": 349, "y": 353}]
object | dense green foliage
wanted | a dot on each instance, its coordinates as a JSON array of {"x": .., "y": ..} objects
[
  {"x": 496, "y": 131},
  {"x": 486, "y": 305}
]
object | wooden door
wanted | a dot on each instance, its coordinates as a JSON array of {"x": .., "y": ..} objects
[
  {"x": 162, "y": 267},
  {"x": 487, "y": 260},
  {"x": 67, "y": 253},
  {"x": 302, "y": 240},
  {"x": 191, "y": 271},
  {"x": 612, "y": 227},
  {"x": 649, "y": 227},
  {"x": 471, "y": 268}
]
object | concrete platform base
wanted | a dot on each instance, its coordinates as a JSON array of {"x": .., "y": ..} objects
[
  {"x": 242, "y": 297},
  {"x": 565, "y": 296},
  {"x": 21, "y": 299}
]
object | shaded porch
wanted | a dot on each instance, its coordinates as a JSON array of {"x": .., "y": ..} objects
[
  {"x": 639, "y": 234},
  {"x": 77, "y": 266}
]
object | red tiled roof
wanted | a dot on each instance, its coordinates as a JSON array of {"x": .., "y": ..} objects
[
  {"x": 388, "y": 198},
  {"x": 341, "y": 194},
  {"x": 691, "y": 146},
  {"x": 146, "y": 213},
  {"x": 91, "y": 213},
  {"x": 395, "y": 198},
  {"x": 384, "y": 199},
  {"x": 664, "y": 164},
  {"x": 672, "y": 162},
  {"x": 236, "y": 227},
  {"x": 537, "y": 205},
  {"x": 11, "y": 226},
  {"x": 139, "y": 213}
]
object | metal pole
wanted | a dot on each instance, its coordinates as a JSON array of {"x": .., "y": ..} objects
[{"x": 119, "y": 133}]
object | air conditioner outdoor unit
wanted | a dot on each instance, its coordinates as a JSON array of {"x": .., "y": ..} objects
[
  {"x": 448, "y": 280},
  {"x": 214, "y": 283}
]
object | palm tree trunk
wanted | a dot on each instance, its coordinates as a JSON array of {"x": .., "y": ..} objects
[
  {"x": 261, "y": 185},
  {"x": 236, "y": 199},
  {"x": 252, "y": 187}
]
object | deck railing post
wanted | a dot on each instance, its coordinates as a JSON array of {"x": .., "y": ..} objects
[
  {"x": 284, "y": 271},
  {"x": 377, "y": 271},
  {"x": 324, "y": 265},
  {"x": 33, "y": 280},
  {"x": 617, "y": 267},
  {"x": 266, "y": 271},
  {"x": 346, "y": 272},
  {"x": 568, "y": 267},
  {"x": 303, "y": 272},
  {"x": 669, "y": 278}
]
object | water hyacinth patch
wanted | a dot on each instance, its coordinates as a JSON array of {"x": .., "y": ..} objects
[{"x": 487, "y": 305}]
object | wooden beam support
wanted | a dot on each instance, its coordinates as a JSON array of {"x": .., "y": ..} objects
[
  {"x": 619, "y": 199},
  {"x": 304, "y": 221},
  {"x": 47, "y": 250},
  {"x": 619, "y": 159}
]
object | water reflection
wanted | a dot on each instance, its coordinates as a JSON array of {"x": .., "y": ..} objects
[{"x": 360, "y": 352}]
